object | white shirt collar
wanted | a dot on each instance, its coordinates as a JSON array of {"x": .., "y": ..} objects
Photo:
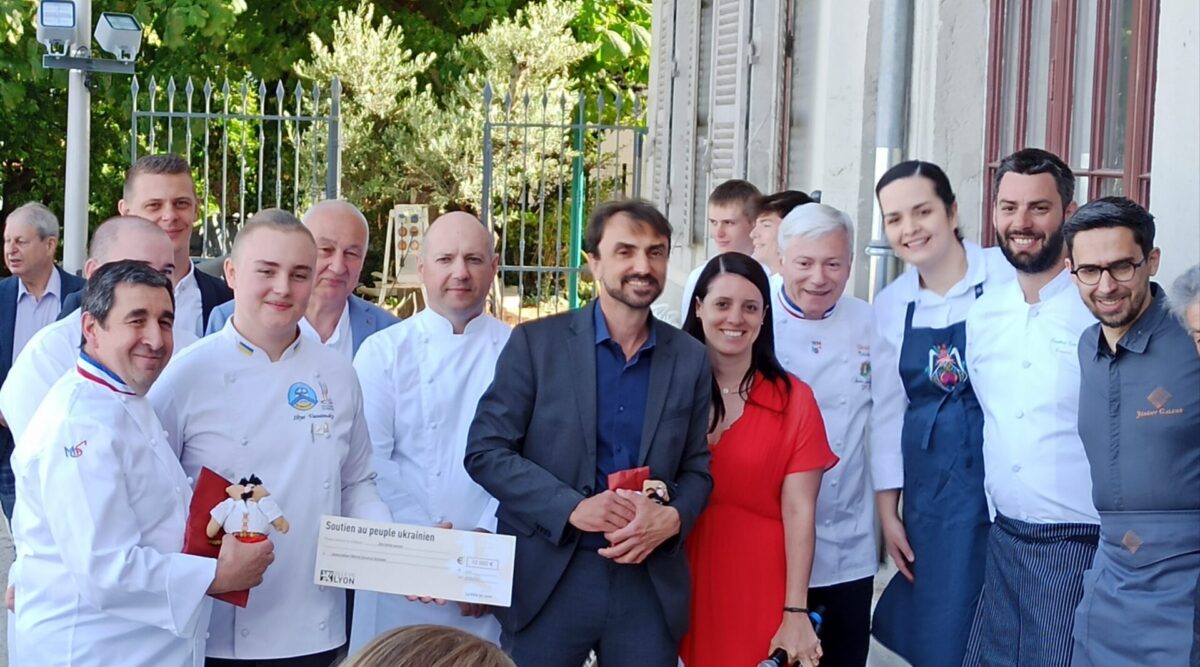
[
  {"x": 188, "y": 281},
  {"x": 1055, "y": 286},
  {"x": 340, "y": 333}
]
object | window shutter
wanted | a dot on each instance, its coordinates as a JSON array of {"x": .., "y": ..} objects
[{"x": 728, "y": 101}]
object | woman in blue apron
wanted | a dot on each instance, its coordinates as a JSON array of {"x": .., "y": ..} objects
[{"x": 923, "y": 393}]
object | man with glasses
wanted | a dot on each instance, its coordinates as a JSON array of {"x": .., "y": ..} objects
[
  {"x": 1022, "y": 354},
  {"x": 1139, "y": 413}
]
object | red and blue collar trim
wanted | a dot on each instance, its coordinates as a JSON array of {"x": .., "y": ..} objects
[
  {"x": 795, "y": 311},
  {"x": 96, "y": 372}
]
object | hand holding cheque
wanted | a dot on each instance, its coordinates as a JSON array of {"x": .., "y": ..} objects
[{"x": 422, "y": 561}]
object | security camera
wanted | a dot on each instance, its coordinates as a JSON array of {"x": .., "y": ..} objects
[
  {"x": 120, "y": 35},
  {"x": 56, "y": 25}
]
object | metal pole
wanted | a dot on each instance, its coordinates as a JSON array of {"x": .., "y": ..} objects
[
  {"x": 578, "y": 195},
  {"x": 79, "y": 130},
  {"x": 333, "y": 148},
  {"x": 891, "y": 116}
]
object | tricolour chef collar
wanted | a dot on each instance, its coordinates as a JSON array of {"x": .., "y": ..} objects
[{"x": 96, "y": 372}]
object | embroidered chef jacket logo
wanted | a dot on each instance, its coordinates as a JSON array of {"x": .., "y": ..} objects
[
  {"x": 76, "y": 451},
  {"x": 816, "y": 347},
  {"x": 1159, "y": 398},
  {"x": 302, "y": 397},
  {"x": 326, "y": 402},
  {"x": 946, "y": 368},
  {"x": 864, "y": 373}
]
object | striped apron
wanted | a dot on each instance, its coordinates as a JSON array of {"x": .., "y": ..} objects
[
  {"x": 1141, "y": 599},
  {"x": 1032, "y": 584}
]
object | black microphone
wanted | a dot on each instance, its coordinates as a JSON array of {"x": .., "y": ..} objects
[{"x": 779, "y": 657}]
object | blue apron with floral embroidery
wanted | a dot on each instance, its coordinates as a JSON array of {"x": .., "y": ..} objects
[{"x": 944, "y": 509}]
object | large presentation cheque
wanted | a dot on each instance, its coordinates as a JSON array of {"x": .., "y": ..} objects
[{"x": 460, "y": 565}]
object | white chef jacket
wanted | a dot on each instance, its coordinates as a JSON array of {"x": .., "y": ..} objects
[
  {"x": 833, "y": 356},
  {"x": 421, "y": 384},
  {"x": 986, "y": 268},
  {"x": 99, "y": 523},
  {"x": 298, "y": 425},
  {"x": 46, "y": 358},
  {"x": 342, "y": 339},
  {"x": 1025, "y": 369}
]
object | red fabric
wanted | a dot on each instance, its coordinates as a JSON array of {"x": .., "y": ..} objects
[
  {"x": 630, "y": 479},
  {"x": 208, "y": 493},
  {"x": 736, "y": 550}
]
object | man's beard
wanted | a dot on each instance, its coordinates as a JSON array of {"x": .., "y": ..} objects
[
  {"x": 629, "y": 298},
  {"x": 1044, "y": 260}
]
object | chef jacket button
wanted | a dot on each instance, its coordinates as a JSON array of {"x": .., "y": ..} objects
[
  {"x": 325, "y": 485},
  {"x": 191, "y": 481},
  {"x": 784, "y": 359},
  {"x": 321, "y": 625},
  {"x": 208, "y": 635},
  {"x": 433, "y": 426},
  {"x": 437, "y": 474},
  {"x": 321, "y": 589},
  {"x": 1025, "y": 364},
  {"x": 429, "y": 380},
  {"x": 842, "y": 400},
  {"x": 833, "y": 483},
  {"x": 245, "y": 632},
  {"x": 1020, "y": 414},
  {"x": 828, "y": 522},
  {"x": 178, "y": 490},
  {"x": 1016, "y": 468},
  {"x": 245, "y": 441}
]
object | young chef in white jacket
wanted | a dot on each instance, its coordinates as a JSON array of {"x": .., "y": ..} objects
[
  {"x": 102, "y": 502},
  {"x": 822, "y": 336},
  {"x": 421, "y": 382},
  {"x": 257, "y": 397}
]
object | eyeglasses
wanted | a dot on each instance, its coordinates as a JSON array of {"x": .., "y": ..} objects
[{"x": 1122, "y": 271}]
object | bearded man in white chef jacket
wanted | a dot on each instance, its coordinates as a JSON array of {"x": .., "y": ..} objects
[
  {"x": 822, "y": 336},
  {"x": 421, "y": 382},
  {"x": 102, "y": 501},
  {"x": 259, "y": 398}
]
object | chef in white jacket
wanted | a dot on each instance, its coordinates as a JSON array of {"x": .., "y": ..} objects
[
  {"x": 102, "y": 502},
  {"x": 421, "y": 382},
  {"x": 259, "y": 398},
  {"x": 53, "y": 349},
  {"x": 822, "y": 336}
]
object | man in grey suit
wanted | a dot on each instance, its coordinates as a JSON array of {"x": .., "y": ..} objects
[
  {"x": 335, "y": 316},
  {"x": 576, "y": 398}
]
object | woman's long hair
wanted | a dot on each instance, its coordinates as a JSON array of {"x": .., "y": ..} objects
[{"x": 762, "y": 352}]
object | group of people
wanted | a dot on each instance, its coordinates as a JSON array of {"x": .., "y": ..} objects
[{"x": 1020, "y": 421}]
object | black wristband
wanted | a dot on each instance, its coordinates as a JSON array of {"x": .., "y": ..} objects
[{"x": 795, "y": 610}]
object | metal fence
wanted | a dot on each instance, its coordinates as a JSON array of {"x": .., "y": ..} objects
[
  {"x": 547, "y": 160},
  {"x": 255, "y": 146}
]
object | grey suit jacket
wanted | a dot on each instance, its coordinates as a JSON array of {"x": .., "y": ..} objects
[
  {"x": 532, "y": 445},
  {"x": 365, "y": 319}
]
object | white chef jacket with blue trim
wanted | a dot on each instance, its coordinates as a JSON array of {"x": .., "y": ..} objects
[
  {"x": 833, "y": 356},
  {"x": 298, "y": 425},
  {"x": 421, "y": 384},
  {"x": 99, "y": 522}
]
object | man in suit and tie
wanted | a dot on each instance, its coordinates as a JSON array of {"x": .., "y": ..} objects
[
  {"x": 30, "y": 298},
  {"x": 335, "y": 316},
  {"x": 160, "y": 189},
  {"x": 576, "y": 398}
]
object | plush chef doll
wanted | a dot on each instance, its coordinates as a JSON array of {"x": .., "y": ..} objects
[{"x": 248, "y": 513}]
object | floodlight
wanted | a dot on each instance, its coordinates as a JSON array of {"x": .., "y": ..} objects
[
  {"x": 56, "y": 25},
  {"x": 120, "y": 35}
]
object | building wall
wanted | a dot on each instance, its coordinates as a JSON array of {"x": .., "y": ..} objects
[
  {"x": 831, "y": 125},
  {"x": 1175, "y": 156}
]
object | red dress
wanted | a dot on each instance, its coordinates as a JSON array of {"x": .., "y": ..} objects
[{"x": 736, "y": 549}]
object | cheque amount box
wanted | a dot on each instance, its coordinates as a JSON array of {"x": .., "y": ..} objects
[{"x": 402, "y": 559}]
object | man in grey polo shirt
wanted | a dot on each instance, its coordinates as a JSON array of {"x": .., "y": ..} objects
[{"x": 1139, "y": 413}]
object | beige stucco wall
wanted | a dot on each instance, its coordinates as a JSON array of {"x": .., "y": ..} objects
[{"x": 1175, "y": 157}]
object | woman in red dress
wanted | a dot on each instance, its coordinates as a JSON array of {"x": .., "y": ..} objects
[{"x": 751, "y": 550}]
